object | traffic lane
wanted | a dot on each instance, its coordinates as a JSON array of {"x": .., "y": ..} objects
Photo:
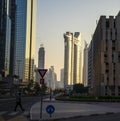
[
  {"x": 8, "y": 105},
  {"x": 107, "y": 117}
]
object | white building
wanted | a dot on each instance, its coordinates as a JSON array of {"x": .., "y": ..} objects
[
  {"x": 85, "y": 66},
  {"x": 51, "y": 78},
  {"x": 73, "y": 58}
]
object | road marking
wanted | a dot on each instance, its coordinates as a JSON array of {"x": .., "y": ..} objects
[{"x": 3, "y": 112}]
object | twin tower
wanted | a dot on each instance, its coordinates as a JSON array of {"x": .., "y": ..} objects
[{"x": 74, "y": 58}]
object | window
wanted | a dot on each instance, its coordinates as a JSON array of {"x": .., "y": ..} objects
[{"x": 107, "y": 24}]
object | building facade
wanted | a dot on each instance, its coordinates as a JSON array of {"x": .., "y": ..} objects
[
  {"x": 41, "y": 57},
  {"x": 73, "y": 58},
  {"x": 85, "y": 66},
  {"x": 51, "y": 78},
  {"x": 104, "y": 51},
  {"x": 41, "y": 61},
  {"x": 25, "y": 30},
  {"x": 62, "y": 78},
  {"x": 20, "y": 38},
  {"x": 5, "y": 36}
]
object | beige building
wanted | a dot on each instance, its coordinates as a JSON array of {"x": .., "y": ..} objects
[
  {"x": 73, "y": 58},
  {"x": 104, "y": 57}
]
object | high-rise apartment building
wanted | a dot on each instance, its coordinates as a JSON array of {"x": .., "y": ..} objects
[
  {"x": 104, "y": 57},
  {"x": 25, "y": 30},
  {"x": 73, "y": 58}
]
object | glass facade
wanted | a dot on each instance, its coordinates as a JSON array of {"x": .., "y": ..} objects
[
  {"x": 30, "y": 39},
  {"x": 5, "y": 34},
  {"x": 20, "y": 38},
  {"x": 25, "y": 29}
]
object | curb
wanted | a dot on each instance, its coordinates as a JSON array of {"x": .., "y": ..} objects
[{"x": 74, "y": 117}]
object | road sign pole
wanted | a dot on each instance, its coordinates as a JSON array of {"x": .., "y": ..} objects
[
  {"x": 41, "y": 102},
  {"x": 42, "y": 73},
  {"x": 50, "y": 109}
]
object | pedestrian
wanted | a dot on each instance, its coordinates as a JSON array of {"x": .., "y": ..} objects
[{"x": 18, "y": 101}]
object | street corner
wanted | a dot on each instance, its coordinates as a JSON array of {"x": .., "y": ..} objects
[
  {"x": 18, "y": 118},
  {"x": 1, "y": 118}
]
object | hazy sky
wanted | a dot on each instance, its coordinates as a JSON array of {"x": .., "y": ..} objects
[{"x": 55, "y": 17}]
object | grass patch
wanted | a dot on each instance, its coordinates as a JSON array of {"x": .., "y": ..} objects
[{"x": 89, "y": 99}]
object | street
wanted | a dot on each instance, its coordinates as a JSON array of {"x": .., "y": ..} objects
[
  {"x": 108, "y": 117},
  {"x": 7, "y": 107},
  {"x": 62, "y": 110}
]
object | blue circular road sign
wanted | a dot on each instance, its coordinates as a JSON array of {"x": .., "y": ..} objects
[{"x": 50, "y": 109}]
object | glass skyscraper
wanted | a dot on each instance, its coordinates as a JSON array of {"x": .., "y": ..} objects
[
  {"x": 5, "y": 35},
  {"x": 25, "y": 30},
  {"x": 20, "y": 38}
]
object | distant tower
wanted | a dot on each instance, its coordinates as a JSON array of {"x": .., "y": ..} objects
[{"x": 41, "y": 57}]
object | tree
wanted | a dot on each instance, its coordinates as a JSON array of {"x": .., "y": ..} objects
[
  {"x": 44, "y": 88},
  {"x": 37, "y": 88},
  {"x": 30, "y": 87},
  {"x": 79, "y": 88}
]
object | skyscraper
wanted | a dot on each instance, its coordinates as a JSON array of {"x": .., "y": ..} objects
[
  {"x": 12, "y": 47},
  {"x": 68, "y": 40},
  {"x": 41, "y": 61},
  {"x": 73, "y": 58},
  {"x": 5, "y": 36},
  {"x": 85, "y": 65},
  {"x": 41, "y": 57},
  {"x": 20, "y": 38},
  {"x": 25, "y": 30},
  {"x": 62, "y": 77},
  {"x": 104, "y": 57},
  {"x": 51, "y": 78}
]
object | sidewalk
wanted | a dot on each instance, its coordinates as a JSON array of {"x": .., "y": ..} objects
[{"x": 70, "y": 109}]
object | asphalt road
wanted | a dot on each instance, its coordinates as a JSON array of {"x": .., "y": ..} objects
[
  {"x": 8, "y": 106},
  {"x": 108, "y": 117}
]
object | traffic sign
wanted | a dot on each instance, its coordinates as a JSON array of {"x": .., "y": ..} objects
[
  {"x": 50, "y": 109},
  {"x": 42, "y": 72},
  {"x": 41, "y": 81}
]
